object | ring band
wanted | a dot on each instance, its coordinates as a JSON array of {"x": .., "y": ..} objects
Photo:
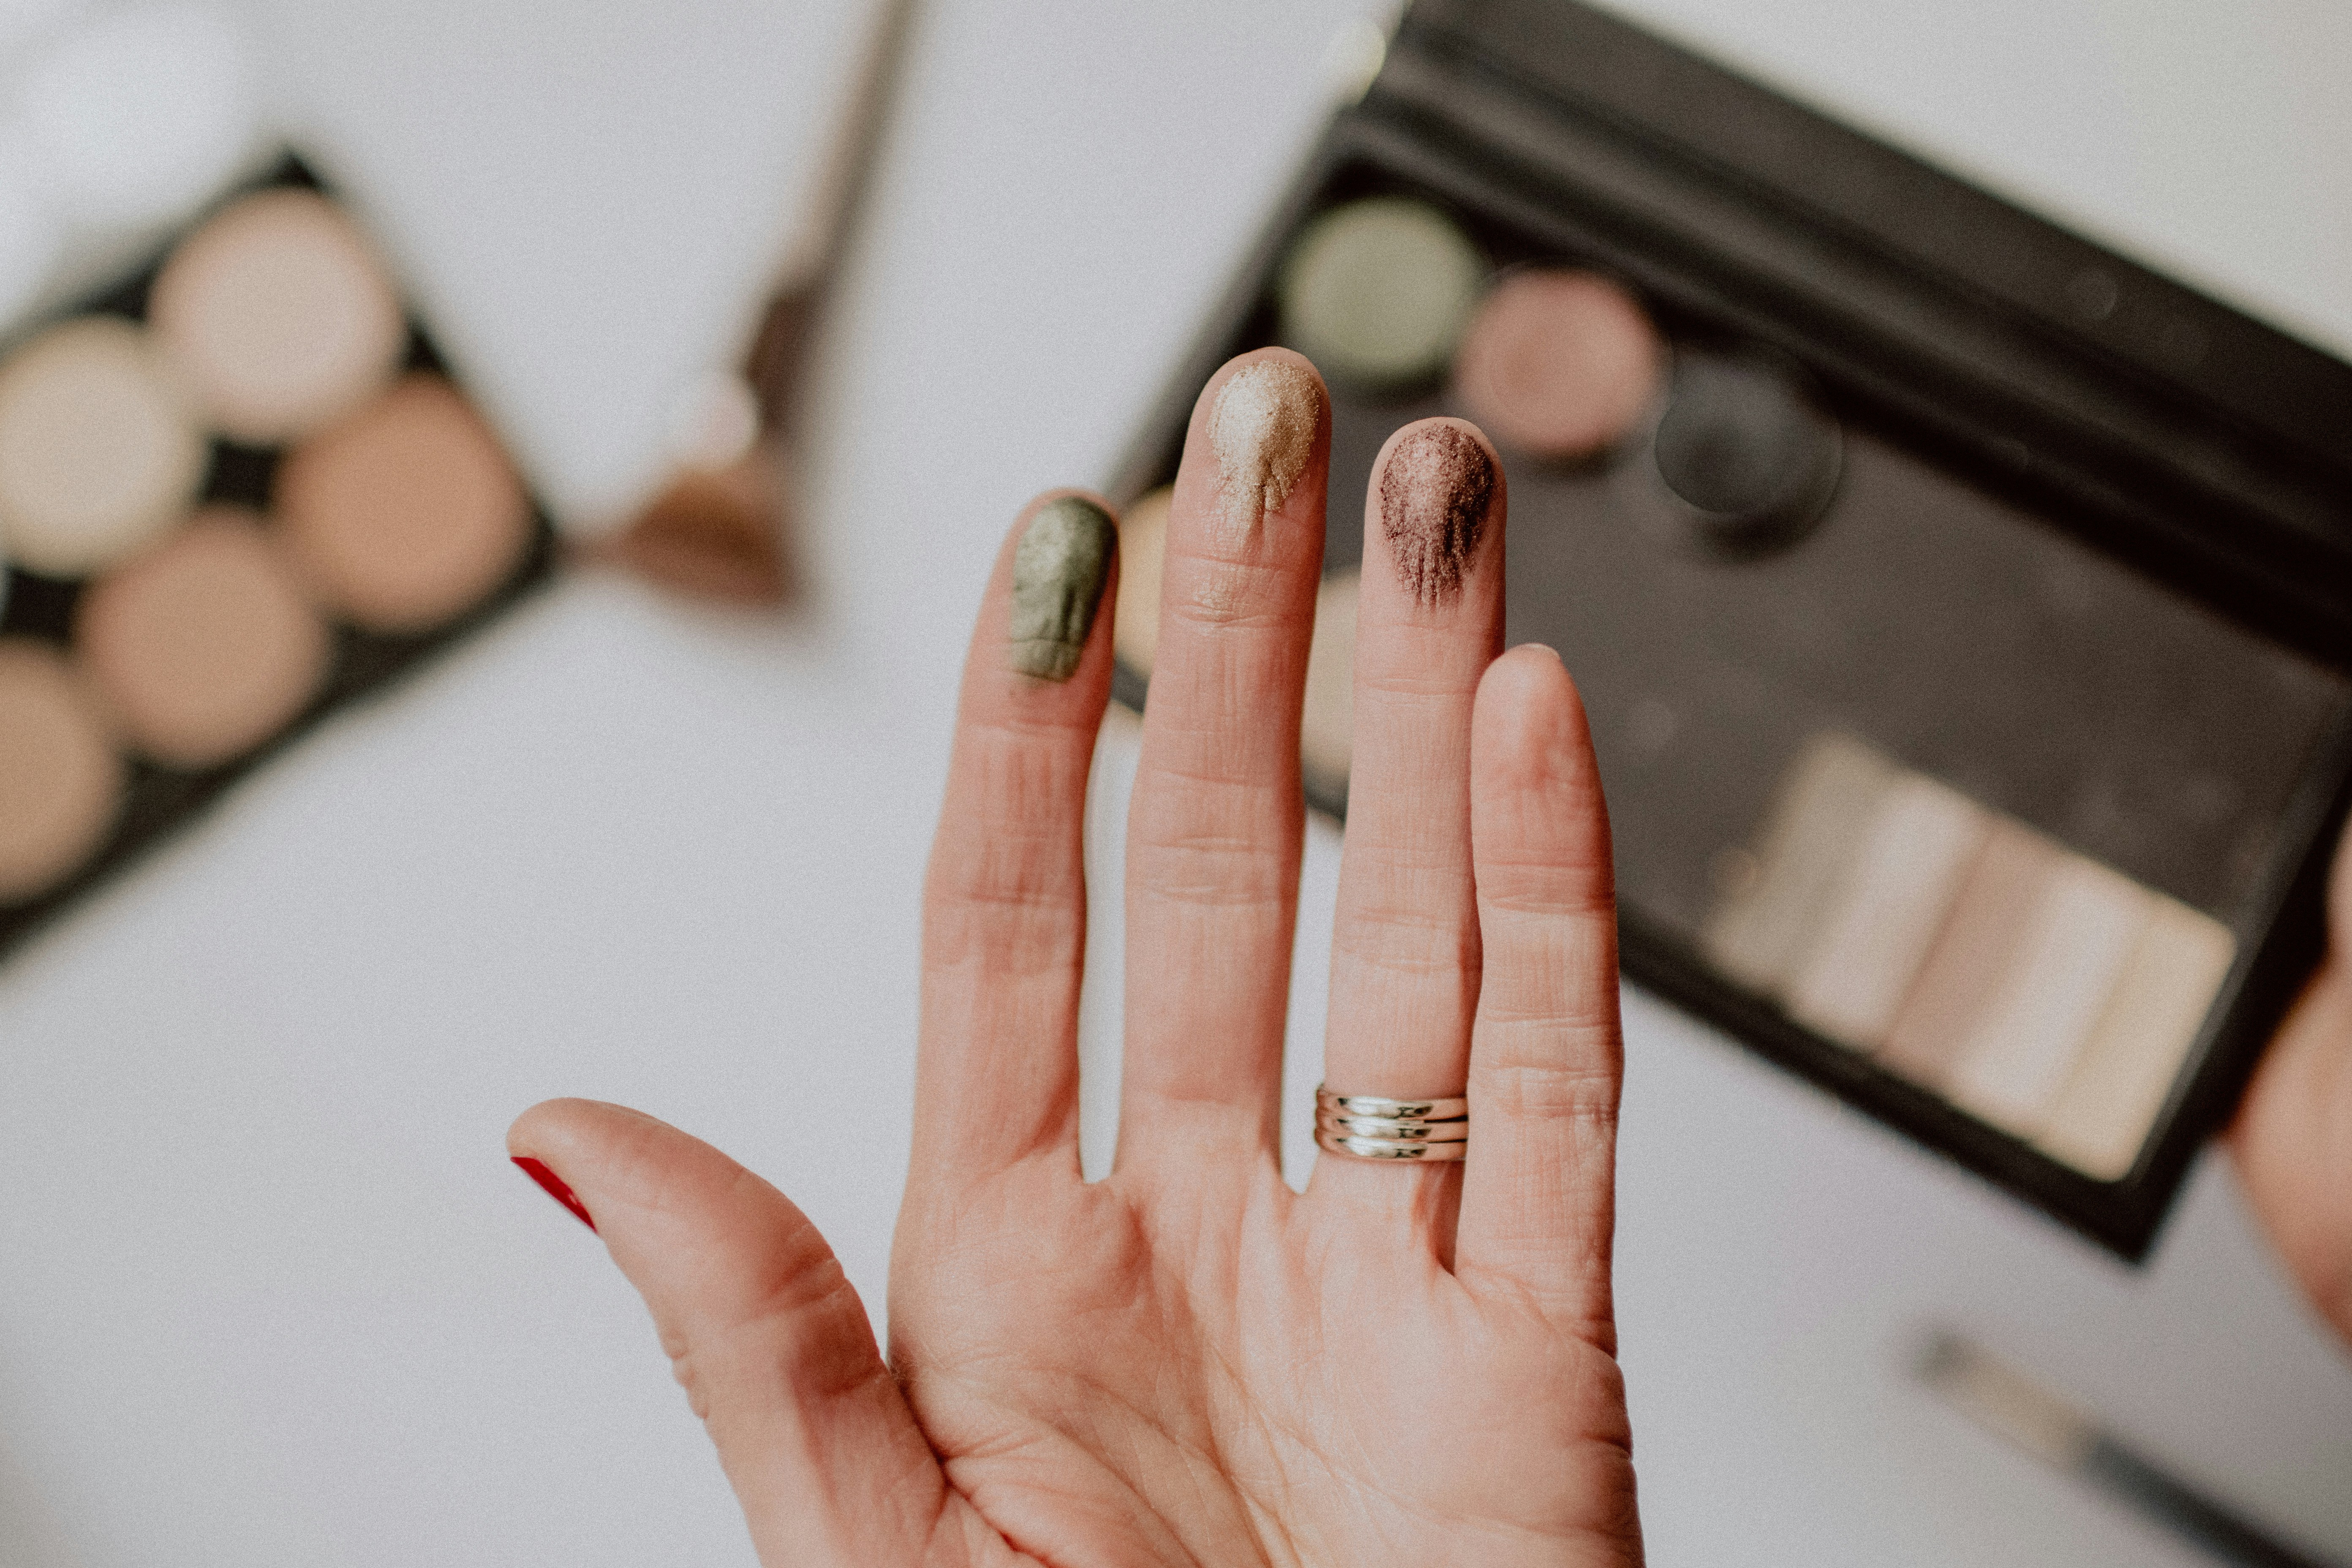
[
  {"x": 1377, "y": 1127},
  {"x": 1386, "y": 1148},
  {"x": 1452, "y": 1109},
  {"x": 1395, "y": 1129}
]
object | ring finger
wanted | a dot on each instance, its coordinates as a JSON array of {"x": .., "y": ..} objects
[{"x": 1405, "y": 949}]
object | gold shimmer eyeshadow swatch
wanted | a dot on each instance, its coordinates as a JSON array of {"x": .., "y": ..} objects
[{"x": 2032, "y": 986}]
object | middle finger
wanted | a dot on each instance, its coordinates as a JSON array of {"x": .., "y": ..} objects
[
  {"x": 1405, "y": 947},
  {"x": 1216, "y": 820}
]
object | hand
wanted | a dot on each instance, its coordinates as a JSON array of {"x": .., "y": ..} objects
[
  {"x": 2293, "y": 1137},
  {"x": 1187, "y": 1362}
]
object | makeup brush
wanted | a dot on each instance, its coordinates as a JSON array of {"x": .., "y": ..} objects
[
  {"x": 2013, "y": 1406},
  {"x": 716, "y": 529}
]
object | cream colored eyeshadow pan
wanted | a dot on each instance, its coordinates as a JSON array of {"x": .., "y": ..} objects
[
  {"x": 2127, "y": 1069},
  {"x": 1914, "y": 848},
  {"x": 1768, "y": 914},
  {"x": 98, "y": 452},
  {"x": 1978, "y": 945},
  {"x": 2014, "y": 1059}
]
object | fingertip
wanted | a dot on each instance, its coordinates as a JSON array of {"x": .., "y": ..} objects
[
  {"x": 1528, "y": 702},
  {"x": 555, "y": 1127},
  {"x": 1054, "y": 584},
  {"x": 1298, "y": 364},
  {"x": 1435, "y": 497}
]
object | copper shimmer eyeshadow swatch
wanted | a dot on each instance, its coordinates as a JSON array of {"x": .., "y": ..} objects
[
  {"x": 236, "y": 490},
  {"x": 2041, "y": 991}
]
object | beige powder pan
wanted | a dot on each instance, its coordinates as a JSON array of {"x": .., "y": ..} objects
[
  {"x": 204, "y": 646},
  {"x": 2127, "y": 1068},
  {"x": 279, "y": 317},
  {"x": 406, "y": 513},
  {"x": 97, "y": 451},
  {"x": 61, "y": 779}
]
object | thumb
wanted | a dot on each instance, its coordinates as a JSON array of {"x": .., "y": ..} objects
[{"x": 765, "y": 1334}]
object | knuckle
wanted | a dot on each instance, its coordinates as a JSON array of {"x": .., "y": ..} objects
[
  {"x": 1583, "y": 1092},
  {"x": 1549, "y": 888}
]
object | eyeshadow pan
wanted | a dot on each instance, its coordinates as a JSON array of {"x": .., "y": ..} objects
[
  {"x": 2078, "y": 935},
  {"x": 1328, "y": 724},
  {"x": 1773, "y": 896},
  {"x": 1915, "y": 847},
  {"x": 1377, "y": 292},
  {"x": 279, "y": 317},
  {"x": 60, "y": 777},
  {"x": 405, "y": 513},
  {"x": 2136, "y": 1050},
  {"x": 98, "y": 452},
  {"x": 1558, "y": 364},
  {"x": 204, "y": 646},
  {"x": 1978, "y": 943}
]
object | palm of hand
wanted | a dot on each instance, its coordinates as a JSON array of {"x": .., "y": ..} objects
[
  {"x": 1187, "y": 1362},
  {"x": 1176, "y": 1371}
]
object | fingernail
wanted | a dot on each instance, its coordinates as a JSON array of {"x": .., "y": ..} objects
[
  {"x": 1433, "y": 493},
  {"x": 1262, "y": 429},
  {"x": 552, "y": 1184},
  {"x": 1058, "y": 570}
]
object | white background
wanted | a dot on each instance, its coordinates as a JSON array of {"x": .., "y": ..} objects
[{"x": 269, "y": 1293}]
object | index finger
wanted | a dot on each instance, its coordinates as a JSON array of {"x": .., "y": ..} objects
[{"x": 1004, "y": 900}]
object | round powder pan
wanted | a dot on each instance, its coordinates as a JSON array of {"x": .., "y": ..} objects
[
  {"x": 204, "y": 646},
  {"x": 61, "y": 778},
  {"x": 1558, "y": 364},
  {"x": 1745, "y": 449},
  {"x": 99, "y": 452},
  {"x": 404, "y": 514},
  {"x": 1377, "y": 293},
  {"x": 278, "y": 317}
]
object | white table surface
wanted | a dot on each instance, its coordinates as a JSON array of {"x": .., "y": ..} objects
[{"x": 269, "y": 1293}]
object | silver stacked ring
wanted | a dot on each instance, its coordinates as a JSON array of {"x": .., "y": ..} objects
[{"x": 1375, "y": 1126}]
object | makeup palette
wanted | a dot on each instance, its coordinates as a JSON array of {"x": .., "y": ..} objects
[
  {"x": 236, "y": 491},
  {"x": 1963, "y": 612}
]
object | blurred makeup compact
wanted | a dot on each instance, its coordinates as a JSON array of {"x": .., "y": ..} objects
[
  {"x": 235, "y": 490},
  {"x": 1964, "y": 612}
]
